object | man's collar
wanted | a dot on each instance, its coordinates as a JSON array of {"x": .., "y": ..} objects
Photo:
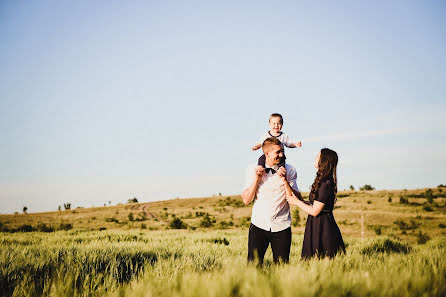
[{"x": 275, "y": 167}]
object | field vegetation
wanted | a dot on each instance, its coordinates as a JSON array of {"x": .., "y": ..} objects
[
  {"x": 400, "y": 214},
  {"x": 396, "y": 242}
]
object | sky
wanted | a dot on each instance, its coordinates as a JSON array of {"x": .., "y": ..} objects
[{"x": 103, "y": 101}]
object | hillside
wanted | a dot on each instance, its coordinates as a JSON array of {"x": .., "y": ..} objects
[{"x": 411, "y": 215}]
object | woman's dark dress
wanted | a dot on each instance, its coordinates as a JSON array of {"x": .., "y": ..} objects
[{"x": 322, "y": 236}]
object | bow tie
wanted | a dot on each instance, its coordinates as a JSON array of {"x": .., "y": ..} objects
[{"x": 270, "y": 169}]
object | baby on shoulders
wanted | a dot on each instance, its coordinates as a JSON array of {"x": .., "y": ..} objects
[{"x": 275, "y": 125}]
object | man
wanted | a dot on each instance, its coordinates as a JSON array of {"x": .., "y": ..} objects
[{"x": 271, "y": 218}]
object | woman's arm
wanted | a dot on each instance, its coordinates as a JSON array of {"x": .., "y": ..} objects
[
  {"x": 313, "y": 210},
  {"x": 288, "y": 189},
  {"x": 295, "y": 198}
]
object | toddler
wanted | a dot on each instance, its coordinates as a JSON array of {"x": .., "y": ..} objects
[{"x": 275, "y": 125}]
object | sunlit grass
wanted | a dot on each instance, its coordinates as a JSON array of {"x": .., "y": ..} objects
[{"x": 200, "y": 263}]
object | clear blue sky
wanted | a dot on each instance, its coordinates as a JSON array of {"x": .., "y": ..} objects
[{"x": 108, "y": 100}]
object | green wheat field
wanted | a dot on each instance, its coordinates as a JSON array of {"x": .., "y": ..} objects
[{"x": 395, "y": 241}]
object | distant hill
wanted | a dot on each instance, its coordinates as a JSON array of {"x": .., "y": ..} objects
[{"x": 401, "y": 213}]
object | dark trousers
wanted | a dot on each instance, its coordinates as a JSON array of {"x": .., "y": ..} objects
[
  {"x": 259, "y": 239},
  {"x": 262, "y": 160}
]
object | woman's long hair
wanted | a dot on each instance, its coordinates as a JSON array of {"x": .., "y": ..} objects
[{"x": 327, "y": 169}]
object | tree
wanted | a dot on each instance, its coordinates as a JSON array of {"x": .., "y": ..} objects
[
  {"x": 67, "y": 206},
  {"x": 133, "y": 200},
  {"x": 366, "y": 188},
  {"x": 25, "y": 209},
  {"x": 429, "y": 194},
  {"x": 59, "y": 208},
  {"x": 352, "y": 188}
]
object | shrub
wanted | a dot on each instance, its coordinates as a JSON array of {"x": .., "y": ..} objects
[
  {"x": 390, "y": 199},
  {"x": 369, "y": 202},
  {"x": 143, "y": 226},
  {"x": 206, "y": 221},
  {"x": 245, "y": 221},
  {"x": 130, "y": 215},
  {"x": 366, "y": 188},
  {"x": 231, "y": 202},
  {"x": 342, "y": 195},
  {"x": 428, "y": 208},
  {"x": 142, "y": 217},
  {"x": 296, "y": 217},
  {"x": 405, "y": 226},
  {"x": 385, "y": 246},
  {"x": 25, "y": 228},
  {"x": 422, "y": 238},
  {"x": 352, "y": 188},
  {"x": 429, "y": 196},
  {"x": 25, "y": 209},
  {"x": 377, "y": 230},
  {"x": 220, "y": 241},
  {"x": 133, "y": 200},
  {"x": 188, "y": 215},
  {"x": 177, "y": 223},
  {"x": 3, "y": 227},
  {"x": 65, "y": 227},
  {"x": 67, "y": 206},
  {"x": 44, "y": 228},
  {"x": 110, "y": 220},
  {"x": 404, "y": 200},
  {"x": 224, "y": 224}
]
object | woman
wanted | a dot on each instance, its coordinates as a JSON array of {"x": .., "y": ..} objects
[{"x": 322, "y": 235}]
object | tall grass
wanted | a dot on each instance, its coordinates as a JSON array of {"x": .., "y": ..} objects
[{"x": 209, "y": 263}]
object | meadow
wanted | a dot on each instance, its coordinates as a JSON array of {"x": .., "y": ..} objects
[{"x": 197, "y": 247}]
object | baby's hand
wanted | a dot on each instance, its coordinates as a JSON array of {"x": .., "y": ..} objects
[
  {"x": 298, "y": 144},
  {"x": 256, "y": 147}
]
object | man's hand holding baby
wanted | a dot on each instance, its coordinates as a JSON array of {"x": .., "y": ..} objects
[
  {"x": 260, "y": 171},
  {"x": 281, "y": 172}
]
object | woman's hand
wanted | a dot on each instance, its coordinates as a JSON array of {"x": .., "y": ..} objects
[{"x": 292, "y": 199}]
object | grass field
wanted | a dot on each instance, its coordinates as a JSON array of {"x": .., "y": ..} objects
[
  {"x": 139, "y": 251},
  {"x": 401, "y": 214}
]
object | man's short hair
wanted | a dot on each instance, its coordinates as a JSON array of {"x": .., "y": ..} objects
[
  {"x": 269, "y": 142},
  {"x": 276, "y": 115}
]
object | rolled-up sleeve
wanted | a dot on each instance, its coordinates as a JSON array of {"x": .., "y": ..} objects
[
  {"x": 292, "y": 178},
  {"x": 249, "y": 177}
]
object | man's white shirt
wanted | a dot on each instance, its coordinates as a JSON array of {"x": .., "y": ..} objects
[{"x": 271, "y": 211}]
